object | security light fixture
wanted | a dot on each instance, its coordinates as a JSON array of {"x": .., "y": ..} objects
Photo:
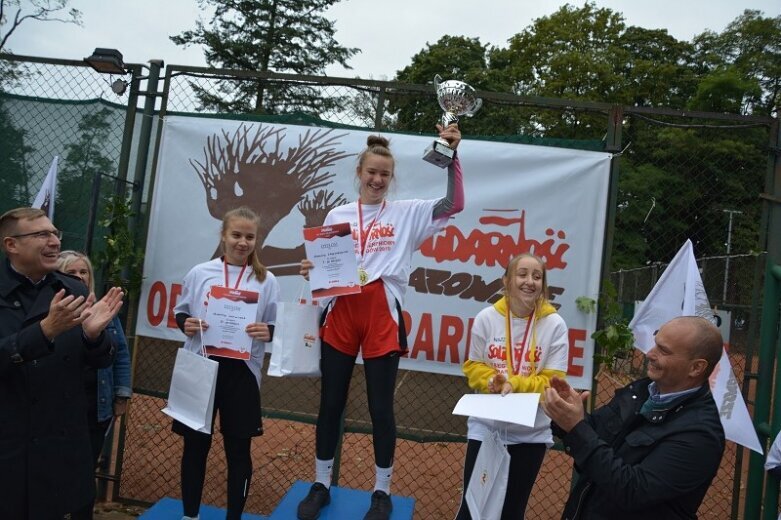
[
  {"x": 119, "y": 86},
  {"x": 106, "y": 61}
]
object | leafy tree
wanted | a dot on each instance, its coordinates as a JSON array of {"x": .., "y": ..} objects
[
  {"x": 745, "y": 60},
  {"x": 452, "y": 57},
  {"x": 588, "y": 53},
  {"x": 654, "y": 69},
  {"x": 85, "y": 161},
  {"x": 266, "y": 35},
  {"x": 40, "y": 10}
]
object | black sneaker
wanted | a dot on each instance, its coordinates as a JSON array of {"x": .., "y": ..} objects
[
  {"x": 381, "y": 506},
  {"x": 318, "y": 497}
]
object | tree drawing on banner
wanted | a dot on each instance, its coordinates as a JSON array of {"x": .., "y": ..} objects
[{"x": 253, "y": 167}]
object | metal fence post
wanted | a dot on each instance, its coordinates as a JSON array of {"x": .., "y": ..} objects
[{"x": 771, "y": 215}]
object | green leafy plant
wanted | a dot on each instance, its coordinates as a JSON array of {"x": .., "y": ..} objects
[
  {"x": 121, "y": 260},
  {"x": 614, "y": 340}
]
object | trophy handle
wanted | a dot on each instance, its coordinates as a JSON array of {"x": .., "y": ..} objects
[
  {"x": 475, "y": 107},
  {"x": 437, "y": 81}
]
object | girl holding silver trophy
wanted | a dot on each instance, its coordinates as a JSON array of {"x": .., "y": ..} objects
[{"x": 387, "y": 234}]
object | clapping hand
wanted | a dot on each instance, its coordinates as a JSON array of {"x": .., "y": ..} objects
[
  {"x": 499, "y": 384},
  {"x": 563, "y": 404},
  {"x": 101, "y": 313},
  {"x": 65, "y": 312}
]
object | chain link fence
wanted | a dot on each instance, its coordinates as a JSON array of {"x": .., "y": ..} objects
[
  {"x": 56, "y": 108},
  {"x": 679, "y": 176}
]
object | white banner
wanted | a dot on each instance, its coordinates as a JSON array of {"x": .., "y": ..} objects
[
  {"x": 680, "y": 292},
  {"x": 550, "y": 201},
  {"x": 48, "y": 192}
]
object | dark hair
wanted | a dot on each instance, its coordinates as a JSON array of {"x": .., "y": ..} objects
[
  {"x": 377, "y": 145},
  {"x": 512, "y": 265},
  {"x": 9, "y": 219},
  {"x": 246, "y": 213}
]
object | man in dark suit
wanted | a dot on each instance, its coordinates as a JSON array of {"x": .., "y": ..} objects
[
  {"x": 653, "y": 450},
  {"x": 49, "y": 328}
]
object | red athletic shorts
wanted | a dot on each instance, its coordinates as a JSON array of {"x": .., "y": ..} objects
[{"x": 362, "y": 322}]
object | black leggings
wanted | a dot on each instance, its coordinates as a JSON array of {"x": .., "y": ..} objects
[
  {"x": 237, "y": 453},
  {"x": 525, "y": 463},
  {"x": 337, "y": 370}
]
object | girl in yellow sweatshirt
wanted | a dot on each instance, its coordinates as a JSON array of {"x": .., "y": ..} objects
[{"x": 517, "y": 345}]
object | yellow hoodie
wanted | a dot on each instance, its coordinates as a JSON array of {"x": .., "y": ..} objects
[{"x": 478, "y": 373}]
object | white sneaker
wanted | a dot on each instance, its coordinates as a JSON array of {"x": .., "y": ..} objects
[{"x": 191, "y": 517}]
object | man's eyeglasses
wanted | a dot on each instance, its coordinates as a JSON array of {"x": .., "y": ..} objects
[{"x": 43, "y": 235}]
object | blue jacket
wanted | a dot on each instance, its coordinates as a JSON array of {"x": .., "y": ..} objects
[{"x": 114, "y": 381}]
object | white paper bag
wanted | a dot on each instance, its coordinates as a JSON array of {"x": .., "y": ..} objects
[
  {"x": 296, "y": 344},
  {"x": 488, "y": 483},
  {"x": 191, "y": 396}
]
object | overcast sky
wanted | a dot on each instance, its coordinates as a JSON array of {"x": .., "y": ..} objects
[{"x": 388, "y": 32}]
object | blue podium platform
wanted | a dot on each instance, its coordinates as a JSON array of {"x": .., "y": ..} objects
[
  {"x": 346, "y": 504},
  {"x": 171, "y": 509}
]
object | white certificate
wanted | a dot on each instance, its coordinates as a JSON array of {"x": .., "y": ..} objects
[
  {"x": 517, "y": 408},
  {"x": 332, "y": 250},
  {"x": 228, "y": 313}
]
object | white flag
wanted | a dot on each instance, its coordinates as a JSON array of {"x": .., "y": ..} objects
[
  {"x": 48, "y": 192},
  {"x": 680, "y": 292}
]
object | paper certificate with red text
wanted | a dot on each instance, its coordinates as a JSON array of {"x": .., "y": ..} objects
[
  {"x": 228, "y": 313},
  {"x": 332, "y": 250}
]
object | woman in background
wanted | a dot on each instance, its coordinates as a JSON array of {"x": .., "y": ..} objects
[{"x": 108, "y": 389}]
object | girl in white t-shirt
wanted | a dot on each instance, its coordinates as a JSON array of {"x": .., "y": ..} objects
[
  {"x": 386, "y": 235},
  {"x": 538, "y": 350},
  {"x": 237, "y": 394}
]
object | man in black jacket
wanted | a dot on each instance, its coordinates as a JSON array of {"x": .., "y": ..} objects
[
  {"x": 653, "y": 450},
  {"x": 49, "y": 328}
]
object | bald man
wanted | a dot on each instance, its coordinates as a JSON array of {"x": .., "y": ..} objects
[{"x": 653, "y": 450}]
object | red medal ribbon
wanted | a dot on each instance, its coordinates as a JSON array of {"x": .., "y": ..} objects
[
  {"x": 363, "y": 238},
  {"x": 512, "y": 348},
  {"x": 238, "y": 281}
]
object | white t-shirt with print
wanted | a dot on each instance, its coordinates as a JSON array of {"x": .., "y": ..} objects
[
  {"x": 400, "y": 229},
  {"x": 195, "y": 295},
  {"x": 488, "y": 345}
]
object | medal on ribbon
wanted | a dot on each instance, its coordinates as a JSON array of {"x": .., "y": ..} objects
[{"x": 363, "y": 275}]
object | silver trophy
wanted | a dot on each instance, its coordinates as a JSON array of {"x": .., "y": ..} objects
[{"x": 457, "y": 99}]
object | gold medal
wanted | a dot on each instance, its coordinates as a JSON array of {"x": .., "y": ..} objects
[{"x": 363, "y": 276}]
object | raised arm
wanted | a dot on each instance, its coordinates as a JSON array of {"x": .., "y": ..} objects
[{"x": 453, "y": 202}]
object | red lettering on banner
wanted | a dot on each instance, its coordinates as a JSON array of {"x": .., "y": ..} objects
[
  {"x": 468, "y": 337},
  {"x": 451, "y": 331},
  {"x": 424, "y": 339},
  {"x": 176, "y": 291},
  {"x": 161, "y": 302},
  {"x": 155, "y": 310},
  {"x": 575, "y": 352},
  {"x": 492, "y": 248}
]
